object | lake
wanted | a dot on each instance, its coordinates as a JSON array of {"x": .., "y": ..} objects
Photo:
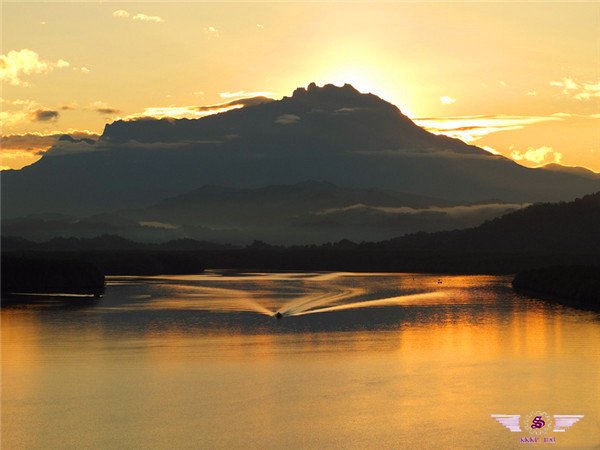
[{"x": 357, "y": 361}]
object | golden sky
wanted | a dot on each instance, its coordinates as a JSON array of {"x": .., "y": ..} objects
[{"x": 522, "y": 79}]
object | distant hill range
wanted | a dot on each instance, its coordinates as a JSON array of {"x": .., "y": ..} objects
[
  {"x": 334, "y": 134},
  {"x": 536, "y": 236},
  {"x": 308, "y": 212}
]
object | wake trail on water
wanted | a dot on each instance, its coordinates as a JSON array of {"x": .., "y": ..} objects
[
  {"x": 390, "y": 301},
  {"x": 297, "y": 306}
]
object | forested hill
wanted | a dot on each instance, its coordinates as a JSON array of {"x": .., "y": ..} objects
[{"x": 565, "y": 227}]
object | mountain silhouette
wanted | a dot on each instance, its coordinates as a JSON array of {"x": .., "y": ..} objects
[{"x": 326, "y": 133}]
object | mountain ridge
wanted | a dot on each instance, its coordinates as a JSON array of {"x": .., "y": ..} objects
[{"x": 327, "y": 133}]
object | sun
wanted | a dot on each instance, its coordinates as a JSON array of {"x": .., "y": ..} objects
[
  {"x": 365, "y": 80},
  {"x": 360, "y": 78}
]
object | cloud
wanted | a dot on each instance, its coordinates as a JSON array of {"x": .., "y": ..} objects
[
  {"x": 260, "y": 26},
  {"x": 589, "y": 90},
  {"x": 20, "y": 150},
  {"x": 17, "y": 101},
  {"x": 537, "y": 155},
  {"x": 211, "y": 31},
  {"x": 445, "y": 100},
  {"x": 567, "y": 84},
  {"x": 578, "y": 90},
  {"x": 531, "y": 93},
  {"x": 240, "y": 102},
  {"x": 350, "y": 110},
  {"x": 44, "y": 115},
  {"x": 68, "y": 106},
  {"x": 287, "y": 119},
  {"x": 244, "y": 94},
  {"x": 452, "y": 211},
  {"x": 103, "y": 108},
  {"x": 36, "y": 142},
  {"x": 156, "y": 224},
  {"x": 15, "y": 64},
  {"x": 146, "y": 18},
  {"x": 121, "y": 14},
  {"x": 27, "y": 110},
  {"x": 471, "y": 128},
  {"x": 8, "y": 118},
  {"x": 196, "y": 112}
]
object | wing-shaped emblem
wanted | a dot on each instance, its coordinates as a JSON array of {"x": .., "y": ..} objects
[
  {"x": 563, "y": 422},
  {"x": 511, "y": 421}
]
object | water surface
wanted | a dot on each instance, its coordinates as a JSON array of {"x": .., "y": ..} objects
[{"x": 358, "y": 361}]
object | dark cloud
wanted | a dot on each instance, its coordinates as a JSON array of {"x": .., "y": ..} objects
[
  {"x": 44, "y": 115},
  {"x": 102, "y": 108},
  {"x": 108, "y": 111}
]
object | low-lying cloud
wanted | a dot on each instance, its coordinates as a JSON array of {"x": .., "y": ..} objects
[
  {"x": 287, "y": 119},
  {"x": 471, "y": 128},
  {"x": 196, "y": 112},
  {"x": 451, "y": 211},
  {"x": 245, "y": 94},
  {"x": 19, "y": 150}
]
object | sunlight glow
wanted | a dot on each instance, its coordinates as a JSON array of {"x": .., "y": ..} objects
[
  {"x": 471, "y": 128},
  {"x": 366, "y": 79}
]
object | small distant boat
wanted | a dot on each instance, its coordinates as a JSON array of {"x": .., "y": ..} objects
[{"x": 278, "y": 315}]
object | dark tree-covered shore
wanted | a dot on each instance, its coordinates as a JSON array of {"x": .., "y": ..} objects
[
  {"x": 576, "y": 286},
  {"x": 21, "y": 274}
]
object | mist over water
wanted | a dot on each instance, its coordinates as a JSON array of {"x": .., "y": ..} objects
[{"x": 357, "y": 361}]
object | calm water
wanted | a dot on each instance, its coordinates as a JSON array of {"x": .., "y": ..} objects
[{"x": 359, "y": 361}]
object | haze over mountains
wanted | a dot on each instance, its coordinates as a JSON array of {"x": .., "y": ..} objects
[
  {"x": 247, "y": 173},
  {"x": 307, "y": 212},
  {"x": 535, "y": 236}
]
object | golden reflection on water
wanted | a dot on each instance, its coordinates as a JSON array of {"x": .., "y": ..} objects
[{"x": 184, "y": 362}]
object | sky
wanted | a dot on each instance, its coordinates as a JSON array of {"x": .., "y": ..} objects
[{"x": 519, "y": 79}]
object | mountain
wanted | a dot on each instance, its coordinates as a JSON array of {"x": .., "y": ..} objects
[
  {"x": 218, "y": 206},
  {"x": 307, "y": 212},
  {"x": 326, "y": 133},
  {"x": 581, "y": 171}
]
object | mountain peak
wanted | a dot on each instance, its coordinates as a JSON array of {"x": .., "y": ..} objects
[
  {"x": 330, "y": 89},
  {"x": 344, "y": 99}
]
